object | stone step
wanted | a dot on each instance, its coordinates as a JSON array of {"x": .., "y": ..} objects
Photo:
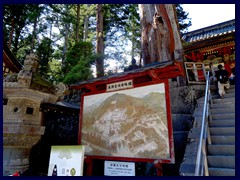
[
  {"x": 223, "y": 116},
  {"x": 227, "y": 95},
  {"x": 230, "y": 99},
  {"x": 227, "y": 150},
  {"x": 223, "y": 110},
  {"x": 221, "y": 161},
  {"x": 222, "y": 123},
  {"x": 222, "y": 131},
  {"x": 232, "y": 87},
  {"x": 227, "y": 140},
  {"x": 213, "y": 88},
  {"x": 221, "y": 172},
  {"x": 217, "y": 112},
  {"x": 231, "y": 90},
  {"x": 223, "y": 105}
]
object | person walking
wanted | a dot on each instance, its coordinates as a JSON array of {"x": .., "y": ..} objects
[
  {"x": 223, "y": 81},
  {"x": 232, "y": 77}
]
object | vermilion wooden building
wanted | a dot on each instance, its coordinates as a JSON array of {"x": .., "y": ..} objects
[
  {"x": 210, "y": 45},
  {"x": 215, "y": 43}
]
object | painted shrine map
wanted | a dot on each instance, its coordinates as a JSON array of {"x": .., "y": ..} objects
[{"x": 128, "y": 123}]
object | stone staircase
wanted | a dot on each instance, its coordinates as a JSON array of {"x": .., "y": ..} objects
[
  {"x": 221, "y": 148},
  {"x": 221, "y": 151}
]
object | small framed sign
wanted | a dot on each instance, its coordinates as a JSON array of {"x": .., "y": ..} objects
[
  {"x": 116, "y": 168},
  {"x": 66, "y": 161}
]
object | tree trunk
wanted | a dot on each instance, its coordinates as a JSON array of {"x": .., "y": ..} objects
[
  {"x": 85, "y": 34},
  {"x": 100, "y": 44},
  {"x": 77, "y": 24},
  {"x": 11, "y": 33},
  {"x": 33, "y": 35},
  {"x": 160, "y": 34},
  {"x": 49, "y": 43},
  {"x": 65, "y": 45},
  {"x": 16, "y": 40},
  {"x": 133, "y": 40}
]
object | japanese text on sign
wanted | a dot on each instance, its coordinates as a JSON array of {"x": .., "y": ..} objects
[
  {"x": 120, "y": 85},
  {"x": 114, "y": 168}
]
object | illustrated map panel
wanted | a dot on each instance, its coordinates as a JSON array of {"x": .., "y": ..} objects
[{"x": 128, "y": 123}]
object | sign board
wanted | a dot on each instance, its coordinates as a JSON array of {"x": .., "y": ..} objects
[
  {"x": 66, "y": 161},
  {"x": 195, "y": 72},
  {"x": 131, "y": 123},
  {"x": 115, "y": 168}
]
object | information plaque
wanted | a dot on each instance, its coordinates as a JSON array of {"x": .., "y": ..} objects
[
  {"x": 66, "y": 161},
  {"x": 115, "y": 168}
]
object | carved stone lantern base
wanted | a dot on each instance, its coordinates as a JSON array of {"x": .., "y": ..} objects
[{"x": 18, "y": 142}]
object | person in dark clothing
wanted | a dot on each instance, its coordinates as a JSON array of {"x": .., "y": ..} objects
[
  {"x": 223, "y": 81},
  {"x": 232, "y": 77},
  {"x": 132, "y": 66}
]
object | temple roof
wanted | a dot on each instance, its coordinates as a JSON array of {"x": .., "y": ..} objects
[
  {"x": 159, "y": 68},
  {"x": 60, "y": 106},
  {"x": 11, "y": 62},
  {"x": 210, "y": 31}
]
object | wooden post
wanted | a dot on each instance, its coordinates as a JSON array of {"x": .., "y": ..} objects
[
  {"x": 158, "y": 166},
  {"x": 89, "y": 162}
]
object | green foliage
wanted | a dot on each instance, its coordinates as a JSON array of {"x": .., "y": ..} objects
[
  {"x": 183, "y": 20},
  {"x": 16, "y": 19},
  {"x": 80, "y": 51},
  {"x": 115, "y": 18},
  {"x": 69, "y": 15},
  {"x": 54, "y": 72},
  {"x": 121, "y": 25},
  {"x": 134, "y": 30},
  {"x": 78, "y": 63},
  {"x": 44, "y": 52},
  {"x": 80, "y": 72}
]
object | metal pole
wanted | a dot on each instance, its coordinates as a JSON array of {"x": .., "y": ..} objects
[{"x": 202, "y": 128}]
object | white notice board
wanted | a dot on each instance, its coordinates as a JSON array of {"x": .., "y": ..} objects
[
  {"x": 116, "y": 168},
  {"x": 66, "y": 161}
]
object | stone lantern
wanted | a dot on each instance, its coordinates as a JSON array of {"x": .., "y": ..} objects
[{"x": 22, "y": 121}]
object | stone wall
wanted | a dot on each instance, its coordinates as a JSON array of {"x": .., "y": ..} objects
[
  {"x": 183, "y": 98},
  {"x": 61, "y": 128},
  {"x": 183, "y": 102}
]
